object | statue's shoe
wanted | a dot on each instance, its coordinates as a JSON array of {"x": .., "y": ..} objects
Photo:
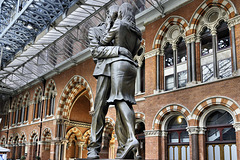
[
  {"x": 132, "y": 145},
  {"x": 93, "y": 155}
]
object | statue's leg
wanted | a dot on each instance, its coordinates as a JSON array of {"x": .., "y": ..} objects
[
  {"x": 120, "y": 133},
  {"x": 98, "y": 117},
  {"x": 128, "y": 118}
]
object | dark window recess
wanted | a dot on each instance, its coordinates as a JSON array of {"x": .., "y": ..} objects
[
  {"x": 181, "y": 51},
  {"x": 207, "y": 72},
  {"x": 223, "y": 40},
  {"x": 225, "y": 68},
  {"x": 168, "y": 51},
  {"x": 143, "y": 77},
  {"x": 169, "y": 82},
  {"x": 206, "y": 42},
  {"x": 182, "y": 79}
]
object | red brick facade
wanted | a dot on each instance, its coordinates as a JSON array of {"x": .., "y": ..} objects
[{"x": 66, "y": 132}]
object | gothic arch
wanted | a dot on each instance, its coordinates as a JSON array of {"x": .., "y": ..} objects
[
  {"x": 172, "y": 20},
  {"x": 75, "y": 85},
  {"x": 201, "y": 107},
  {"x": 75, "y": 131},
  {"x": 227, "y": 5},
  {"x": 166, "y": 110},
  {"x": 26, "y": 98},
  {"x": 46, "y": 133},
  {"x": 86, "y": 135},
  {"x": 20, "y": 101},
  {"x": 23, "y": 137},
  {"x": 140, "y": 115},
  {"x": 51, "y": 86},
  {"x": 36, "y": 94},
  {"x": 33, "y": 136}
]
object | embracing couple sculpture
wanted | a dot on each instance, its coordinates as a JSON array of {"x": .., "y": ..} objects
[{"x": 113, "y": 45}]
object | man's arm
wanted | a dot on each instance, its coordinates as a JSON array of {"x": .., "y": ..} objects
[{"x": 97, "y": 50}]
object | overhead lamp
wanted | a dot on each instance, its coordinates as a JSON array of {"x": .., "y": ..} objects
[
  {"x": 29, "y": 26},
  {"x": 8, "y": 48}
]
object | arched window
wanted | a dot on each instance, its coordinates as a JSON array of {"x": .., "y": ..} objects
[
  {"x": 178, "y": 138},
  {"x": 220, "y": 136},
  {"x": 181, "y": 63},
  {"x": 169, "y": 70},
  {"x": 50, "y": 101},
  {"x": 223, "y": 43},
  {"x": 37, "y": 106}
]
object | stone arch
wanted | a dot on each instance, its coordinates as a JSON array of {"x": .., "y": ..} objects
[
  {"x": 86, "y": 134},
  {"x": 33, "y": 136},
  {"x": 75, "y": 85},
  {"x": 47, "y": 133},
  {"x": 10, "y": 139},
  {"x": 206, "y": 103},
  {"x": 16, "y": 135},
  {"x": 36, "y": 94},
  {"x": 166, "y": 110},
  {"x": 76, "y": 132},
  {"x": 20, "y": 101},
  {"x": 3, "y": 140},
  {"x": 172, "y": 20},
  {"x": 140, "y": 115},
  {"x": 51, "y": 86},
  {"x": 23, "y": 138},
  {"x": 201, "y": 10},
  {"x": 26, "y": 98},
  {"x": 14, "y": 103},
  {"x": 109, "y": 126}
]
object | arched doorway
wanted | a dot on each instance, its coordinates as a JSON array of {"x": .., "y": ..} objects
[
  {"x": 139, "y": 132},
  {"x": 178, "y": 138},
  {"x": 220, "y": 136}
]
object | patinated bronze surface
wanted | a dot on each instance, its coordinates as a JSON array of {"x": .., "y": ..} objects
[{"x": 113, "y": 45}]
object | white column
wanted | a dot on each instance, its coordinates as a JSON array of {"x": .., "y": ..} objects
[{"x": 80, "y": 149}]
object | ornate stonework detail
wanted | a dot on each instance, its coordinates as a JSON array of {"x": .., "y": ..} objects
[
  {"x": 236, "y": 126},
  {"x": 190, "y": 38},
  {"x": 193, "y": 130},
  {"x": 151, "y": 53},
  {"x": 152, "y": 133},
  {"x": 234, "y": 21}
]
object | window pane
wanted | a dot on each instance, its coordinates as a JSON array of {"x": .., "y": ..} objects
[
  {"x": 223, "y": 36},
  {"x": 181, "y": 51},
  {"x": 169, "y": 82},
  {"x": 173, "y": 137},
  {"x": 168, "y": 56},
  {"x": 213, "y": 135},
  {"x": 225, "y": 68},
  {"x": 206, "y": 42},
  {"x": 219, "y": 117},
  {"x": 207, "y": 72},
  {"x": 178, "y": 122},
  {"x": 182, "y": 79},
  {"x": 229, "y": 134},
  {"x": 184, "y": 137}
]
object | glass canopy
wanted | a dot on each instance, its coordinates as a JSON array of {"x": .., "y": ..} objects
[{"x": 38, "y": 36}]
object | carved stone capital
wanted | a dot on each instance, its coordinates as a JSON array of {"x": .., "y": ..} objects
[
  {"x": 152, "y": 133},
  {"x": 80, "y": 144},
  {"x": 191, "y": 38},
  {"x": 151, "y": 53},
  {"x": 193, "y": 130},
  {"x": 236, "y": 126},
  {"x": 234, "y": 21}
]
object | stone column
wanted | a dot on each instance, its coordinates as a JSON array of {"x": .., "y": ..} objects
[
  {"x": 80, "y": 149},
  {"x": 152, "y": 144},
  {"x": 193, "y": 134},
  {"x": 174, "y": 47},
  {"x": 189, "y": 64},
  {"x": 161, "y": 68},
  {"x": 64, "y": 143},
  {"x": 237, "y": 130},
  {"x": 158, "y": 72},
  {"x": 57, "y": 150},
  {"x": 52, "y": 150},
  {"x": 215, "y": 62}
]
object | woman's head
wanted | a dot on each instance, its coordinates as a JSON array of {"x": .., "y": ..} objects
[{"x": 126, "y": 12}]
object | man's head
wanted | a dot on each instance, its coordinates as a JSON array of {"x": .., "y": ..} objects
[
  {"x": 112, "y": 14},
  {"x": 126, "y": 11}
]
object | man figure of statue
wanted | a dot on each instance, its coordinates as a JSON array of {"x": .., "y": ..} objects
[
  {"x": 103, "y": 56},
  {"x": 124, "y": 33}
]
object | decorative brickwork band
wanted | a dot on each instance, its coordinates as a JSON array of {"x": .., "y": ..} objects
[
  {"x": 152, "y": 133},
  {"x": 205, "y": 104},
  {"x": 76, "y": 132},
  {"x": 166, "y": 110}
]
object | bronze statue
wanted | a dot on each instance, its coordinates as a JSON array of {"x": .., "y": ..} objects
[{"x": 116, "y": 73}]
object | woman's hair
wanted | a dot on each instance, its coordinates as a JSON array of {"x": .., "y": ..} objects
[{"x": 126, "y": 12}]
